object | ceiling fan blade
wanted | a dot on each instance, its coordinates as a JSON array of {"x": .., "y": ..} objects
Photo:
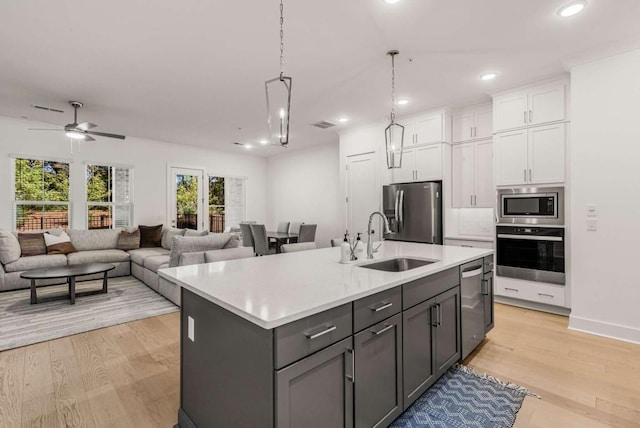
[
  {"x": 88, "y": 138},
  {"x": 44, "y": 129},
  {"x": 104, "y": 134},
  {"x": 85, "y": 126}
]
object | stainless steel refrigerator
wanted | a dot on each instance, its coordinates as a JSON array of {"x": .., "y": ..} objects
[{"x": 414, "y": 211}]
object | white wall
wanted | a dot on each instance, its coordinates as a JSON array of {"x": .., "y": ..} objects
[
  {"x": 302, "y": 185},
  {"x": 149, "y": 159},
  {"x": 604, "y": 172}
]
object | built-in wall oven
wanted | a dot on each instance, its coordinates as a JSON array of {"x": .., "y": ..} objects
[{"x": 531, "y": 205}]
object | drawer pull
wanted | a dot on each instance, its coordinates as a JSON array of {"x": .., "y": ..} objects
[
  {"x": 511, "y": 289},
  {"x": 385, "y": 328},
  {"x": 328, "y": 329},
  {"x": 546, "y": 295},
  {"x": 381, "y": 306}
]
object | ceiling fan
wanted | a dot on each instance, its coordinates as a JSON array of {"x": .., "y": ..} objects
[{"x": 80, "y": 131}]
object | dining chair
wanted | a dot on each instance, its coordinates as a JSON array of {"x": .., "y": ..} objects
[
  {"x": 336, "y": 242},
  {"x": 260, "y": 241},
  {"x": 283, "y": 227},
  {"x": 303, "y": 246},
  {"x": 307, "y": 233},
  {"x": 294, "y": 227},
  {"x": 247, "y": 236}
]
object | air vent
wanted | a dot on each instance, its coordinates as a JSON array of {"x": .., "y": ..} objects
[
  {"x": 56, "y": 110},
  {"x": 324, "y": 124}
]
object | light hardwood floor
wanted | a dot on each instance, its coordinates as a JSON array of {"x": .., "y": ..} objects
[{"x": 128, "y": 375}]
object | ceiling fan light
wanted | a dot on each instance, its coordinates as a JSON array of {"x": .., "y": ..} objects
[{"x": 76, "y": 135}]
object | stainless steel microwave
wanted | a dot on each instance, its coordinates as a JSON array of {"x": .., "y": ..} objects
[{"x": 531, "y": 205}]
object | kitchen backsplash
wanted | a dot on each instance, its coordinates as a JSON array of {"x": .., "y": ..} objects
[{"x": 471, "y": 221}]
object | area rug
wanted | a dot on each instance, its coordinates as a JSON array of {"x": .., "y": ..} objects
[
  {"x": 127, "y": 300},
  {"x": 464, "y": 398}
]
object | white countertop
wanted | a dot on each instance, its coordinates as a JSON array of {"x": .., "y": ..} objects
[{"x": 274, "y": 290}]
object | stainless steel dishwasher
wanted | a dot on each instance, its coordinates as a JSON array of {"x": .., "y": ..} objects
[{"x": 472, "y": 300}]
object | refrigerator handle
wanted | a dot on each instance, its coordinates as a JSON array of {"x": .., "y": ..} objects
[
  {"x": 396, "y": 205},
  {"x": 401, "y": 203}
]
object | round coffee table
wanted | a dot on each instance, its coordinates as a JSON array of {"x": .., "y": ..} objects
[{"x": 70, "y": 273}]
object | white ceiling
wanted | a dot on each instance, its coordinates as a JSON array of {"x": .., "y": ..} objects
[{"x": 193, "y": 71}]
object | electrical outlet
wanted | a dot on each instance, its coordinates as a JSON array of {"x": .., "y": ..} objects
[
  {"x": 592, "y": 211},
  {"x": 191, "y": 327},
  {"x": 592, "y": 225}
]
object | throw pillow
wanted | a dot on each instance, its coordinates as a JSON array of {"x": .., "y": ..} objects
[
  {"x": 234, "y": 242},
  {"x": 9, "y": 248},
  {"x": 167, "y": 236},
  {"x": 191, "y": 232},
  {"x": 129, "y": 240},
  {"x": 58, "y": 244},
  {"x": 150, "y": 236},
  {"x": 32, "y": 244}
]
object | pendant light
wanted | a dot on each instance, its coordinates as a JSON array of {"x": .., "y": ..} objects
[
  {"x": 394, "y": 133},
  {"x": 278, "y": 93}
]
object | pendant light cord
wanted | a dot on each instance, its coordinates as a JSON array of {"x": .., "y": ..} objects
[
  {"x": 393, "y": 88},
  {"x": 281, "y": 40}
]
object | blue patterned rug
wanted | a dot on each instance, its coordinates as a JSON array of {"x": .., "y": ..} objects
[{"x": 463, "y": 398}]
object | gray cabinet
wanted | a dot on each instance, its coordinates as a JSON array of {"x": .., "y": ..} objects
[
  {"x": 378, "y": 373},
  {"x": 487, "y": 294},
  {"x": 446, "y": 335},
  {"x": 417, "y": 350},
  {"x": 317, "y": 391}
]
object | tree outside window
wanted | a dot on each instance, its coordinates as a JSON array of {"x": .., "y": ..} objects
[{"x": 109, "y": 201}]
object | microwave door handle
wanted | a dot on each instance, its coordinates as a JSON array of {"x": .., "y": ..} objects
[{"x": 530, "y": 237}]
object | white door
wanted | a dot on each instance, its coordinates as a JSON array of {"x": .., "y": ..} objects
[
  {"x": 428, "y": 162},
  {"x": 462, "y": 166},
  {"x": 363, "y": 191},
  {"x": 484, "y": 190},
  {"x": 546, "y": 154},
  {"x": 547, "y": 103},
  {"x": 186, "y": 203},
  {"x": 462, "y": 127},
  {"x": 510, "y": 111},
  {"x": 483, "y": 122},
  {"x": 429, "y": 129},
  {"x": 406, "y": 173},
  {"x": 511, "y": 158}
]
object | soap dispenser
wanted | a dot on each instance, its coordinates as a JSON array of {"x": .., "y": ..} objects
[{"x": 345, "y": 249}]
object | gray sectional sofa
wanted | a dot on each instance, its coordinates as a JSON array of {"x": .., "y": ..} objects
[{"x": 100, "y": 246}]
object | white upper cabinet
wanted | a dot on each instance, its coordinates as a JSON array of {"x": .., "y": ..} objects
[
  {"x": 422, "y": 163},
  {"x": 428, "y": 128},
  {"x": 406, "y": 173},
  {"x": 472, "y": 123},
  {"x": 535, "y": 105},
  {"x": 531, "y": 156},
  {"x": 472, "y": 168}
]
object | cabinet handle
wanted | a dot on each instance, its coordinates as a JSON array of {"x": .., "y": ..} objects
[
  {"x": 471, "y": 199},
  {"x": 434, "y": 316},
  {"x": 484, "y": 287},
  {"x": 439, "y": 314},
  {"x": 381, "y": 306},
  {"x": 512, "y": 289},
  {"x": 328, "y": 329},
  {"x": 475, "y": 200},
  {"x": 475, "y": 131},
  {"x": 525, "y": 175},
  {"x": 386, "y": 327},
  {"x": 351, "y": 376},
  {"x": 546, "y": 295},
  {"x": 530, "y": 116},
  {"x": 525, "y": 116},
  {"x": 529, "y": 175}
]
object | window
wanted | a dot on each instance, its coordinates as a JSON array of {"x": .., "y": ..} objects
[
  {"x": 109, "y": 197},
  {"x": 226, "y": 203},
  {"x": 41, "y": 194}
]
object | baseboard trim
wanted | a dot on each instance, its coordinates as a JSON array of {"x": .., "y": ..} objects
[
  {"x": 558, "y": 310},
  {"x": 605, "y": 329}
]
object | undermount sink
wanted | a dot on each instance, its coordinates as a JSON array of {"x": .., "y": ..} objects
[{"x": 398, "y": 265}]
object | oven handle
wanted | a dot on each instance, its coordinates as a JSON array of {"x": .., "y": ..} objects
[{"x": 530, "y": 238}]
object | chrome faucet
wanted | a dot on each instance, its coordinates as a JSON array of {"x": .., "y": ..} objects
[{"x": 369, "y": 233}]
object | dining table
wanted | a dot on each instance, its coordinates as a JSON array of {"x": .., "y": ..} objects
[{"x": 282, "y": 238}]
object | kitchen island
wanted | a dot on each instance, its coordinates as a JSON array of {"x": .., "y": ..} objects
[{"x": 299, "y": 339}]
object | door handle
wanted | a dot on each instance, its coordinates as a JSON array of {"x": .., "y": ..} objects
[
  {"x": 386, "y": 327},
  {"x": 381, "y": 306},
  {"x": 351, "y": 376},
  {"x": 434, "y": 315},
  {"x": 328, "y": 329},
  {"x": 396, "y": 205},
  {"x": 401, "y": 207}
]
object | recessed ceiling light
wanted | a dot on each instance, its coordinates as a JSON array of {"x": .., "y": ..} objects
[
  {"x": 264, "y": 142},
  {"x": 343, "y": 119},
  {"x": 489, "y": 76},
  {"x": 403, "y": 101},
  {"x": 248, "y": 146},
  {"x": 572, "y": 8},
  {"x": 391, "y": 1}
]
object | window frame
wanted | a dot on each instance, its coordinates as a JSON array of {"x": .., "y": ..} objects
[
  {"x": 111, "y": 205},
  {"x": 244, "y": 195},
  {"x": 12, "y": 180}
]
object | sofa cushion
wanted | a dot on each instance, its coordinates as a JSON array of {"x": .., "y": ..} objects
[
  {"x": 98, "y": 256},
  {"x": 191, "y": 232},
  {"x": 129, "y": 240},
  {"x": 168, "y": 234},
  {"x": 138, "y": 256},
  {"x": 58, "y": 244},
  {"x": 188, "y": 244},
  {"x": 9, "y": 247},
  {"x": 32, "y": 244},
  {"x": 94, "y": 239},
  {"x": 36, "y": 262},
  {"x": 234, "y": 242},
  {"x": 154, "y": 263},
  {"x": 228, "y": 254},
  {"x": 150, "y": 236},
  {"x": 194, "y": 258}
]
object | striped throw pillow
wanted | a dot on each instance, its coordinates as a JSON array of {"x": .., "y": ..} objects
[{"x": 32, "y": 244}]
